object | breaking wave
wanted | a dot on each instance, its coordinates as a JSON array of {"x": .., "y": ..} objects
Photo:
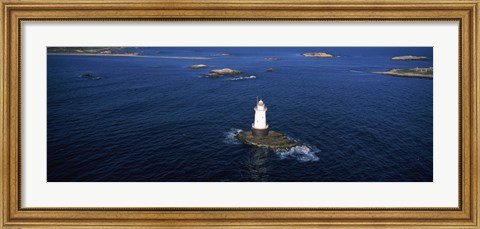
[
  {"x": 230, "y": 136},
  {"x": 301, "y": 153},
  {"x": 356, "y": 71},
  {"x": 244, "y": 78}
]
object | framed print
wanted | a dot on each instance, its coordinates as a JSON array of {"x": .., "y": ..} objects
[{"x": 239, "y": 114}]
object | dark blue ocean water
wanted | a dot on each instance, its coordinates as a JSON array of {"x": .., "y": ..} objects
[{"x": 155, "y": 119}]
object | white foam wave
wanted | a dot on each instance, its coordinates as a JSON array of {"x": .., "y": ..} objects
[
  {"x": 355, "y": 71},
  {"x": 301, "y": 153},
  {"x": 230, "y": 136},
  {"x": 244, "y": 78}
]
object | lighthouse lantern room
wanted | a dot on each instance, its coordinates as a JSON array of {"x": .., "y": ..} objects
[{"x": 260, "y": 126}]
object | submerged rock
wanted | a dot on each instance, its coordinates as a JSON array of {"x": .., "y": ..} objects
[
  {"x": 90, "y": 76},
  {"x": 318, "y": 54},
  {"x": 197, "y": 66},
  {"x": 272, "y": 58},
  {"x": 273, "y": 140},
  {"x": 225, "y": 71}
]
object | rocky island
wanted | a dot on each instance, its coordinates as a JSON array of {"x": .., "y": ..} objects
[
  {"x": 412, "y": 72},
  {"x": 409, "y": 58},
  {"x": 273, "y": 140},
  {"x": 221, "y": 72},
  {"x": 318, "y": 55}
]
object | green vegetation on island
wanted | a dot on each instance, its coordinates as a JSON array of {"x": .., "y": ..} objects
[
  {"x": 273, "y": 140},
  {"x": 411, "y": 72}
]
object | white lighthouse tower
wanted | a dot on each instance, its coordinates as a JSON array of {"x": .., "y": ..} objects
[{"x": 260, "y": 126}]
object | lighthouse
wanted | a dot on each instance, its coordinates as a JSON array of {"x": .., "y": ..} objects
[
  {"x": 260, "y": 136},
  {"x": 260, "y": 126}
]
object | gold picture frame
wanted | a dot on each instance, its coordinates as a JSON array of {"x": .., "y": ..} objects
[{"x": 15, "y": 12}]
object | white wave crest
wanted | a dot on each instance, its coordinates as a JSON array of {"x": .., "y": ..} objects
[
  {"x": 244, "y": 78},
  {"x": 301, "y": 153},
  {"x": 356, "y": 71},
  {"x": 230, "y": 136}
]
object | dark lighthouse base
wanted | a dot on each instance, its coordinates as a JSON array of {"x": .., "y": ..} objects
[
  {"x": 273, "y": 140},
  {"x": 259, "y": 132}
]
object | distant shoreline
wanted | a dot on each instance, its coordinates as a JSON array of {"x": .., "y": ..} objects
[{"x": 131, "y": 55}]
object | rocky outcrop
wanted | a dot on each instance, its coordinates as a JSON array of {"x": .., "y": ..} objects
[
  {"x": 90, "y": 76},
  {"x": 412, "y": 72},
  {"x": 221, "y": 72},
  {"x": 273, "y": 140},
  {"x": 409, "y": 58},
  {"x": 318, "y": 55}
]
